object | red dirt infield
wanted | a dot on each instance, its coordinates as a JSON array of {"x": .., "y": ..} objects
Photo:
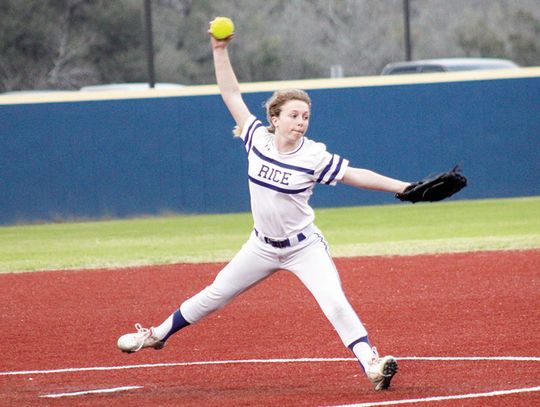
[{"x": 464, "y": 328}]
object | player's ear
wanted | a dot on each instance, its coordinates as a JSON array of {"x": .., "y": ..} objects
[{"x": 274, "y": 120}]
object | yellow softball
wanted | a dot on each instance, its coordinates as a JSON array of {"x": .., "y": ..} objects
[{"x": 221, "y": 27}]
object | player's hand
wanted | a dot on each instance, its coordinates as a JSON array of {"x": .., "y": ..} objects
[{"x": 217, "y": 44}]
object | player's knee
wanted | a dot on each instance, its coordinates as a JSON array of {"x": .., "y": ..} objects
[
  {"x": 219, "y": 295},
  {"x": 331, "y": 309},
  {"x": 207, "y": 301},
  {"x": 337, "y": 311}
]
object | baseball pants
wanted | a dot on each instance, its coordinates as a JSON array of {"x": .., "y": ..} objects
[{"x": 308, "y": 260}]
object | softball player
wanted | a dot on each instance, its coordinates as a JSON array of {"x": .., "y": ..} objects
[{"x": 284, "y": 166}]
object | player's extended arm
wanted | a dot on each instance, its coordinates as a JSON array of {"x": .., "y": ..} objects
[
  {"x": 227, "y": 82},
  {"x": 367, "y": 179}
]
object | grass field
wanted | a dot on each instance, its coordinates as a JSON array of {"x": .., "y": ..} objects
[{"x": 402, "y": 229}]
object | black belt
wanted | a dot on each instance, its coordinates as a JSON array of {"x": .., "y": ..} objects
[{"x": 280, "y": 243}]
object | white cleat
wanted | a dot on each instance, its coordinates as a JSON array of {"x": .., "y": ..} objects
[
  {"x": 381, "y": 371},
  {"x": 143, "y": 338}
]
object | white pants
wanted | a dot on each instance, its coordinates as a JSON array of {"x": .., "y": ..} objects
[{"x": 309, "y": 260}]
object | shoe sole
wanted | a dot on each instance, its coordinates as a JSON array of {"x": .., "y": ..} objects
[
  {"x": 389, "y": 370},
  {"x": 156, "y": 346}
]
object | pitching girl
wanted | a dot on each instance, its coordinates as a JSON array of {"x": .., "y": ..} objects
[{"x": 284, "y": 166}]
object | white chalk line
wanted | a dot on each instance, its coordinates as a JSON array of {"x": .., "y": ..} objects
[
  {"x": 263, "y": 361},
  {"x": 86, "y": 392},
  {"x": 442, "y": 398}
]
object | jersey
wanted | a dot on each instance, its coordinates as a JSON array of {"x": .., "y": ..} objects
[{"x": 280, "y": 184}]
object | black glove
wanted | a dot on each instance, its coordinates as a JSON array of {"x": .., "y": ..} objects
[{"x": 434, "y": 188}]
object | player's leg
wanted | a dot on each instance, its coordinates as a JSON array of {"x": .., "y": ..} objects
[
  {"x": 246, "y": 269},
  {"x": 315, "y": 268}
]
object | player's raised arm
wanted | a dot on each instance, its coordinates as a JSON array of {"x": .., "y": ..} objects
[{"x": 227, "y": 82}]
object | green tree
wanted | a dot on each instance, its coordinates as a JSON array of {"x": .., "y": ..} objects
[
  {"x": 481, "y": 41},
  {"x": 67, "y": 44},
  {"x": 61, "y": 44},
  {"x": 525, "y": 48},
  {"x": 518, "y": 42}
]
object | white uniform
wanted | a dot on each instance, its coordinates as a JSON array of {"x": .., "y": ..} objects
[
  {"x": 284, "y": 236},
  {"x": 280, "y": 185}
]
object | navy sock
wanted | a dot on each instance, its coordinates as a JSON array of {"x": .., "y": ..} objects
[
  {"x": 362, "y": 339},
  {"x": 178, "y": 323},
  {"x": 360, "y": 355}
]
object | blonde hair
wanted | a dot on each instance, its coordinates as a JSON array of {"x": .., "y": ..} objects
[
  {"x": 274, "y": 104},
  {"x": 278, "y": 99}
]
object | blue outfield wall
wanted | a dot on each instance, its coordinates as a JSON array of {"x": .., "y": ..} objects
[{"x": 127, "y": 157}]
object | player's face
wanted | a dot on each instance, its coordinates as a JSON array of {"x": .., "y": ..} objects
[{"x": 293, "y": 121}]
